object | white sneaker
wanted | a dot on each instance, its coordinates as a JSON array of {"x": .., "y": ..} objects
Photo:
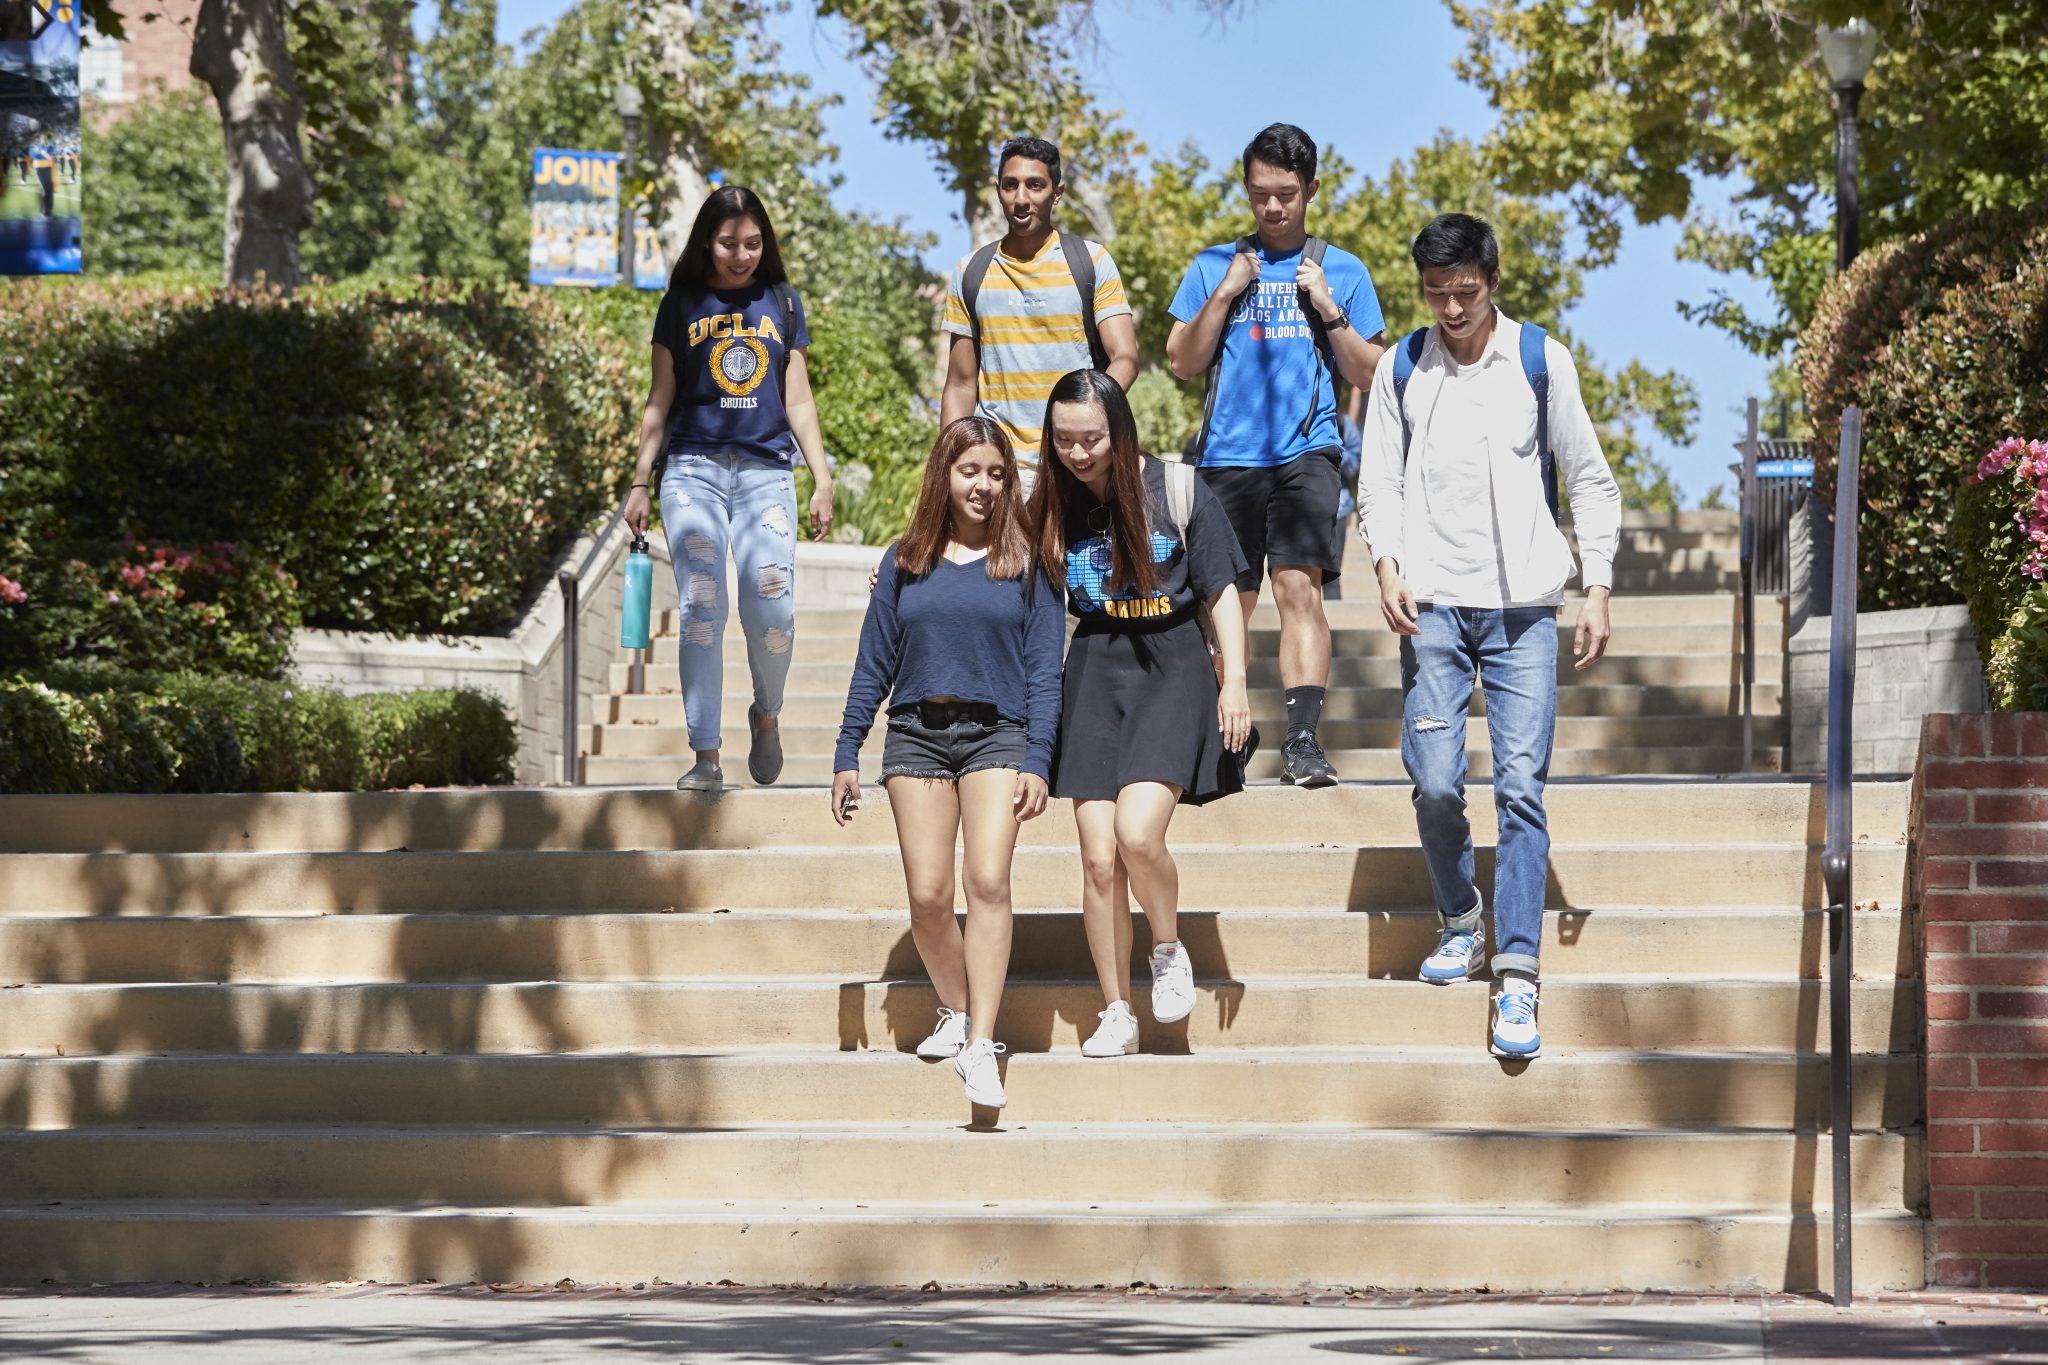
[
  {"x": 948, "y": 1038},
  {"x": 1116, "y": 1035},
  {"x": 1460, "y": 955},
  {"x": 1173, "y": 983},
  {"x": 1514, "y": 1020},
  {"x": 976, "y": 1065}
]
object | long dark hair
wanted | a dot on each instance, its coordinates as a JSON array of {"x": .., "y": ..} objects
[
  {"x": 1130, "y": 528},
  {"x": 693, "y": 267},
  {"x": 931, "y": 523}
]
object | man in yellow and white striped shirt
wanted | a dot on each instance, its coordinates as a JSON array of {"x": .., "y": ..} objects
[{"x": 1016, "y": 315}]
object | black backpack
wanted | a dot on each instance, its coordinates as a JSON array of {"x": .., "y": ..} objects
[
  {"x": 1079, "y": 264},
  {"x": 1311, "y": 250}
]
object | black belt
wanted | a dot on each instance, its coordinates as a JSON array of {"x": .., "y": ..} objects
[{"x": 937, "y": 715}]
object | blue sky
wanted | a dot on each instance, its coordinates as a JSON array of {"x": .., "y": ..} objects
[{"x": 1378, "y": 82}]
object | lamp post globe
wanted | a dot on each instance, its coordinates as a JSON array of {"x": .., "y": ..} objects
[
  {"x": 628, "y": 99},
  {"x": 1847, "y": 51}
]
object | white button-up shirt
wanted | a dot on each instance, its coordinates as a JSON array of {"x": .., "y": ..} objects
[{"x": 1459, "y": 506}]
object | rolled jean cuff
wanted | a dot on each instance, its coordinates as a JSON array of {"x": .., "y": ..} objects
[
  {"x": 1468, "y": 921},
  {"x": 1503, "y": 963}
]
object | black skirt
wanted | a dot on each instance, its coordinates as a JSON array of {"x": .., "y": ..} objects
[{"x": 1140, "y": 706}]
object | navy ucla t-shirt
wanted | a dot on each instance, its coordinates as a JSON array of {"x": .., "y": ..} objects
[
  {"x": 729, "y": 346},
  {"x": 1188, "y": 574}
]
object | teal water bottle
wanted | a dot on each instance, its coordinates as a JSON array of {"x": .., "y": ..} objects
[{"x": 639, "y": 609}]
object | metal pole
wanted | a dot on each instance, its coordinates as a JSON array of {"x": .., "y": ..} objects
[
  {"x": 1848, "y": 207},
  {"x": 1749, "y": 592},
  {"x": 627, "y": 250},
  {"x": 1837, "y": 855},
  {"x": 572, "y": 771}
]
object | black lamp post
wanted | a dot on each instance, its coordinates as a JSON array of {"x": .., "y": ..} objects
[
  {"x": 1848, "y": 52},
  {"x": 628, "y": 97}
]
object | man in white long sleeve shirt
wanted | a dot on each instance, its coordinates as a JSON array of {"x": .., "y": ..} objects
[{"x": 1457, "y": 498}]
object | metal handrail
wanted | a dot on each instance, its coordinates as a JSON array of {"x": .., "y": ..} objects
[
  {"x": 1837, "y": 854},
  {"x": 571, "y": 584},
  {"x": 1749, "y": 454}
]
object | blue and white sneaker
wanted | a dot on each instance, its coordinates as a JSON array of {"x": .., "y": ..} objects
[
  {"x": 1460, "y": 955},
  {"x": 1514, "y": 1020}
]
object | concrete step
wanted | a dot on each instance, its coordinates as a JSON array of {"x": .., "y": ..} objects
[
  {"x": 1667, "y": 812},
  {"x": 395, "y": 949},
  {"x": 1724, "y": 1014},
  {"x": 1537, "y": 1247},
  {"x": 1361, "y": 610},
  {"x": 1359, "y": 765},
  {"x": 1350, "y": 642},
  {"x": 826, "y": 706},
  {"x": 1239, "y": 1163},
  {"x": 1451, "y": 1088},
  {"x": 809, "y": 674},
  {"x": 1603, "y": 733},
  {"x": 1381, "y": 876}
]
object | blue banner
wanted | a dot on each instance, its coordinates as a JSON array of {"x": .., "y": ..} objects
[{"x": 40, "y": 224}]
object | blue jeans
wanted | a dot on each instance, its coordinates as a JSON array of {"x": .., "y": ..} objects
[
  {"x": 712, "y": 505},
  {"x": 1514, "y": 653}
]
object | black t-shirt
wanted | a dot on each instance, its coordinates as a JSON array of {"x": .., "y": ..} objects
[
  {"x": 1188, "y": 574},
  {"x": 729, "y": 347}
]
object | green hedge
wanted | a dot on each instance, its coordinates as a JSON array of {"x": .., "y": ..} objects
[
  {"x": 410, "y": 458},
  {"x": 2002, "y": 535},
  {"x": 1942, "y": 339},
  {"x": 98, "y": 730}
]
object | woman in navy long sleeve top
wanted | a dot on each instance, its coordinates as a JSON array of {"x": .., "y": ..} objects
[{"x": 964, "y": 640}]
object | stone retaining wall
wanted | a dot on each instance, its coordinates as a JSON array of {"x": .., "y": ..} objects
[{"x": 1909, "y": 664}]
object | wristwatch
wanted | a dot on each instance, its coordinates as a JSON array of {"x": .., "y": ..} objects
[{"x": 1338, "y": 323}]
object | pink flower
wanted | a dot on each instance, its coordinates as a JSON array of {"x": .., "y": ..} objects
[
  {"x": 113, "y": 597},
  {"x": 134, "y": 575},
  {"x": 12, "y": 593}
]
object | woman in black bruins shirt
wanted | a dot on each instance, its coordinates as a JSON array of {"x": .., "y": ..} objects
[{"x": 1144, "y": 725}]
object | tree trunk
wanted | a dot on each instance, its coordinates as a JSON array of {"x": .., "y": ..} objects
[
  {"x": 984, "y": 214},
  {"x": 677, "y": 148},
  {"x": 239, "y": 49}
]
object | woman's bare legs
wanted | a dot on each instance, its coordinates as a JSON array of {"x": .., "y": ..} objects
[
  {"x": 1139, "y": 819},
  {"x": 927, "y": 812},
  {"x": 988, "y": 823},
  {"x": 1105, "y": 899}
]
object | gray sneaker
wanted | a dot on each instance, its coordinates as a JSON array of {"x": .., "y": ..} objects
[
  {"x": 764, "y": 757},
  {"x": 705, "y": 777}
]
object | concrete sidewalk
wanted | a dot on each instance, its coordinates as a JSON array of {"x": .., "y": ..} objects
[{"x": 524, "y": 1324}]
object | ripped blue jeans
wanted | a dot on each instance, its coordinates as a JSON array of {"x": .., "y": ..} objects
[
  {"x": 1512, "y": 652},
  {"x": 712, "y": 505}
]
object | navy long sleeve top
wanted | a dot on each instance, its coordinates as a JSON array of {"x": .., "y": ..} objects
[{"x": 956, "y": 632}]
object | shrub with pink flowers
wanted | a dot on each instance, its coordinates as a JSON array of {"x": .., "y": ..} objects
[{"x": 2002, "y": 536}]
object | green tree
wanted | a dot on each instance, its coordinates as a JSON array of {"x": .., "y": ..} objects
[
  {"x": 153, "y": 199},
  {"x": 1624, "y": 107}
]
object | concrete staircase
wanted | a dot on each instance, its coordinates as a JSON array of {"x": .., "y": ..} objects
[
  {"x": 1667, "y": 699},
  {"x": 628, "y": 1035}
]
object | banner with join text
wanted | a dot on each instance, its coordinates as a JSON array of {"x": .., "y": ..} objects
[
  {"x": 574, "y": 237},
  {"x": 40, "y": 224}
]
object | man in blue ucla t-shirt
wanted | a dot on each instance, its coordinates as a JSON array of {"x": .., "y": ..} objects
[{"x": 1276, "y": 327}]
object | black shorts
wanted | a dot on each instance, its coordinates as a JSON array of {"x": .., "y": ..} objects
[
  {"x": 948, "y": 740},
  {"x": 1285, "y": 516}
]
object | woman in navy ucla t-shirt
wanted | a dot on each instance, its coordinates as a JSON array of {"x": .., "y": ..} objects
[
  {"x": 964, "y": 639},
  {"x": 729, "y": 412},
  {"x": 1145, "y": 724}
]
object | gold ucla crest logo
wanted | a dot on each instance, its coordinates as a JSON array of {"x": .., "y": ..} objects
[{"x": 738, "y": 363}]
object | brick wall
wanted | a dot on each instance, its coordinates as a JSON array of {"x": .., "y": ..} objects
[{"x": 1980, "y": 870}]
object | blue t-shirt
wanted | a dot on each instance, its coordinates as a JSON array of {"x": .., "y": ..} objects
[
  {"x": 1269, "y": 358},
  {"x": 1188, "y": 575},
  {"x": 956, "y": 632},
  {"x": 729, "y": 347}
]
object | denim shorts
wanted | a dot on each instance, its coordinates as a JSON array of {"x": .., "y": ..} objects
[{"x": 948, "y": 740}]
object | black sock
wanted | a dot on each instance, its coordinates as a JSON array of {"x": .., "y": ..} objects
[{"x": 1304, "y": 709}]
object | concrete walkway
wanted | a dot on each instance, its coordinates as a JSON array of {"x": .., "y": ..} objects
[{"x": 524, "y": 1325}]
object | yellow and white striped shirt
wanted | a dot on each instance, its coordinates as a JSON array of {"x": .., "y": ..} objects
[{"x": 1031, "y": 333}]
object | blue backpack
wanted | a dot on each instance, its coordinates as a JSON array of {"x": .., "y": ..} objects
[{"x": 1535, "y": 368}]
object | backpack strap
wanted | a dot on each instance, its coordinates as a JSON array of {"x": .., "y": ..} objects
[
  {"x": 1536, "y": 368},
  {"x": 1081, "y": 265},
  {"x": 785, "y": 299},
  {"x": 1180, "y": 495},
  {"x": 1250, "y": 244},
  {"x": 970, "y": 284},
  {"x": 1407, "y": 355},
  {"x": 1312, "y": 251}
]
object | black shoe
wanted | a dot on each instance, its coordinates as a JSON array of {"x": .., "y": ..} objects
[{"x": 1303, "y": 763}]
